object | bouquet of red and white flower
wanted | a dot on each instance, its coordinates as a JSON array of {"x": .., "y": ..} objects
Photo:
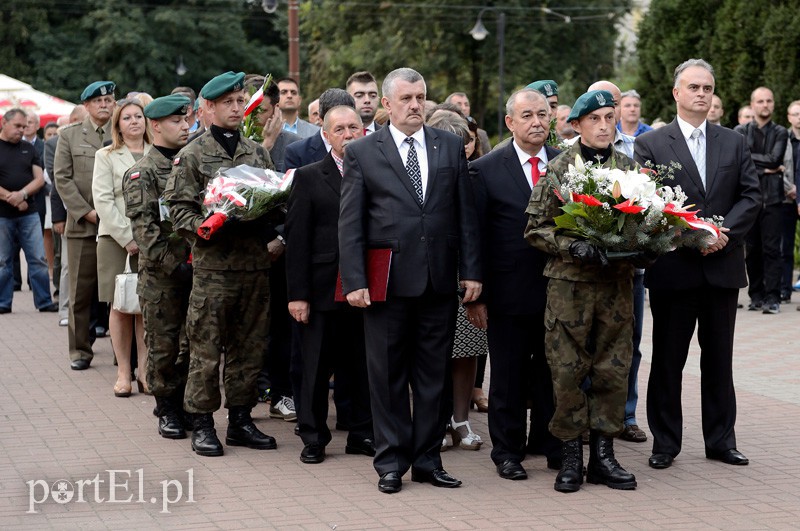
[
  {"x": 627, "y": 211},
  {"x": 243, "y": 193}
]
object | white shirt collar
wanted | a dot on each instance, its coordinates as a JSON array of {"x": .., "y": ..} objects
[
  {"x": 687, "y": 128},
  {"x": 371, "y": 127},
  {"x": 325, "y": 141},
  {"x": 400, "y": 137},
  {"x": 524, "y": 157}
]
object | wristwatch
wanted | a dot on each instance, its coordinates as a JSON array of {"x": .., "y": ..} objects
[
  {"x": 24, "y": 194},
  {"x": 280, "y": 239}
]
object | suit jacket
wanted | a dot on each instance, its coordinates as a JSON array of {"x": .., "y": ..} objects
[
  {"x": 306, "y": 129},
  {"x": 732, "y": 191},
  {"x": 312, "y": 239},
  {"x": 278, "y": 151},
  {"x": 514, "y": 282},
  {"x": 379, "y": 209},
  {"x": 57, "y": 211},
  {"x": 306, "y": 151},
  {"x": 109, "y": 201},
  {"x": 73, "y": 169}
]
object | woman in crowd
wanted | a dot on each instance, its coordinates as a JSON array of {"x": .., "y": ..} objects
[
  {"x": 115, "y": 243},
  {"x": 470, "y": 342}
]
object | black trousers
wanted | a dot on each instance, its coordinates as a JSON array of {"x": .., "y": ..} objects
[
  {"x": 409, "y": 342},
  {"x": 788, "y": 230},
  {"x": 519, "y": 372},
  {"x": 763, "y": 257},
  {"x": 675, "y": 314},
  {"x": 333, "y": 342}
]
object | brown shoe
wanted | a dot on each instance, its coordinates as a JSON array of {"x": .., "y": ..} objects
[
  {"x": 481, "y": 403},
  {"x": 633, "y": 433}
]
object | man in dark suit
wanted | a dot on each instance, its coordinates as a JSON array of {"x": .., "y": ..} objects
[
  {"x": 315, "y": 147},
  {"x": 515, "y": 288},
  {"x": 406, "y": 188},
  {"x": 332, "y": 333},
  {"x": 691, "y": 288},
  {"x": 364, "y": 89}
]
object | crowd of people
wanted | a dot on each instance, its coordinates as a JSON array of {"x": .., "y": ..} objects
[{"x": 409, "y": 251}]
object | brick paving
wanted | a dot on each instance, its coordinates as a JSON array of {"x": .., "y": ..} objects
[{"x": 62, "y": 424}]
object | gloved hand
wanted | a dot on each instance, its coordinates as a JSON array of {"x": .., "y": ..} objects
[
  {"x": 183, "y": 272},
  {"x": 644, "y": 260},
  {"x": 588, "y": 253}
]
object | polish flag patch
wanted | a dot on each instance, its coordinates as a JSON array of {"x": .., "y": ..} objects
[
  {"x": 134, "y": 175},
  {"x": 176, "y": 161}
]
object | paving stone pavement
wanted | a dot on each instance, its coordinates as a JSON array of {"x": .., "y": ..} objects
[{"x": 59, "y": 424}]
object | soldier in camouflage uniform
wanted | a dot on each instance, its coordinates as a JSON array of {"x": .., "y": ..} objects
[
  {"x": 165, "y": 277},
  {"x": 229, "y": 303},
  {"x": 589, "y": 314}
]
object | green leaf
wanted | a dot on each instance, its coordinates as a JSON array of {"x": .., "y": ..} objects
[
  {"x": 565, "y": 221},
  {"x": 621, "y": 222},
  {"x": 575, "y": 209}
]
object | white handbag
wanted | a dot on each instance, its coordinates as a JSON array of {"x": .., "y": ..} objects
[{"x": 125, "y": 298}]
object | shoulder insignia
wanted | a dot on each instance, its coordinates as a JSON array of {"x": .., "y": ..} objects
[
  {"x": 176, "y": 161},
  {"x": 135, "y": 175}
]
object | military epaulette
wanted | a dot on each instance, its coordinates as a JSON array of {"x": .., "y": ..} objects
[{"x": 73, "y": 124}]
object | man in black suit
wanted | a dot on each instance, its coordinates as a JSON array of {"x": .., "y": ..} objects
[
  {"x": 515, "y": 288},
  {"x": 691, "y": 288},
  {"x": 406, "y": 188},
  {"x": 332, "y": 333},
  {"x": 315, "y": 147},
  {"x": 364, "y": 89}
]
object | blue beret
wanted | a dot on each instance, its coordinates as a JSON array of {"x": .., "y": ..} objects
[
  {"x": 591, "y": 101},
  {"x": 547, "y": 87},
  {"x": 98, "y": 88},
  {"x": 167, "y": 106},
  {"x": 222, "y": 84}
]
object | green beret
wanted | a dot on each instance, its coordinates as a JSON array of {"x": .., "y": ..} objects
[
  {"x": 222, "y": 84},
  {"x": 98, "y": 88},
  {"x": 547, "y": 87},
  {"x": 167, "y": 106},
  {"x": 591, "y": 101},
  {"x": 196, "y": 104}
]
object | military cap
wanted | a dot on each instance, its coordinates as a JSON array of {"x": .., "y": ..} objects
[
  {"x": 167, "y": 106},
  {"x": 98, "y": 88},
  {"x": 222, "y": 84},
  {"x": 196, "y": 104},
  {"x": 547, "y": 87},
  {"x": 591, "y": 101}
]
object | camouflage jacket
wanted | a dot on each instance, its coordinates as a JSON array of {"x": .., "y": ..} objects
[
  {"x": 543, "y": 234},
  {"x": 159, "y": 246},
  {"x": 240, "y": 246}
]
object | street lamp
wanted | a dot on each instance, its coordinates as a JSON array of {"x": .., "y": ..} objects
[
  {"x": 479, "y": 33},
  {"x": 180, "y": 71}
]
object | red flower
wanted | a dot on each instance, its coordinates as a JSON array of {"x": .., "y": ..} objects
[
  {"x": 685, "y": 214},
  {"x": 628, "y": 208},
  {"x": 588, "y": 200},
  {"x": 648, "y": 171}
]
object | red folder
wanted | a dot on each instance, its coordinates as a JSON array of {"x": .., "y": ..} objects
[{"x": 379, "y": 262}]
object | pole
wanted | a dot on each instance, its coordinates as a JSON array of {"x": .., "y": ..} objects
[
  {"x": 294, "y": 41},
  {"x": 501, "y": 42}
]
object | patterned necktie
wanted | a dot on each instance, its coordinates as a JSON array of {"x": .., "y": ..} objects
[
  {"x": 699, "y": 154},
  {"x": 412, "y": 168},
  {"x": 535, "y": 174}
]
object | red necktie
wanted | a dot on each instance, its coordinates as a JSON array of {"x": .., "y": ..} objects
[
  {"x": 365, "y": 131},
  {"x": 534, "y": 170}
]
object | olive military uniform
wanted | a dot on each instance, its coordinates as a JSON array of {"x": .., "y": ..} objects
[
  {"x": 73, "y": 168},
  {"x": 588, "y": 319},
  {"x": 229, "y": 302},
  {"x": 164, "y": 276}
]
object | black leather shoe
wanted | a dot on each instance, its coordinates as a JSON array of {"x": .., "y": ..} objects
[
  {"x": 511, "y": 469},
  {"x": 729, "y": 457},
  {"x": 437, "y": 477},
  {"x": 242, "y": 431},
  {"x": 8, "y": 310},
  {"x": 570, "y": 475},
  {"x": 390, "y": 483},
  {"x": 80, "y": 365},
  {"x": 204, "y": 437},
  {"x": 660, "y": 461},
  {"x": 313, "y": 453},
  {"x": 360, "y": 447},
  {"x": 604, "y": 469},
  {"x": 169, "y": 422},
  {"x": 50, "y": 308}
]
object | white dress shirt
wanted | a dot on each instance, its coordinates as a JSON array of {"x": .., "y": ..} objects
[
  {"x": 419, "y": 145},
  {"x": 525, "y": 162},
  {"x": 686, "y": 130}
]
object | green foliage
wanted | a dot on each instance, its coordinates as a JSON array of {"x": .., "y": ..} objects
[
  {"x": 59, "y": 47},
  {"x": 749, "y": 44}
]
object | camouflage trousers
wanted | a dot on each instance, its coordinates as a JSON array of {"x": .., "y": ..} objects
[
  {"x": 228, "y": 314},
  {"x": 164, "y": 302},
  {"x": 589, "y": 330}
]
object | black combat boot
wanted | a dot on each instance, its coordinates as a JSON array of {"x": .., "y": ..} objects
[
  {"x": 242, "y": 431},
  {"x": 169, "y": 423},
  {"x": 204, "y": 437},
  {"x": 603, "y": 466},
  {"x": 570, "y": 478}
]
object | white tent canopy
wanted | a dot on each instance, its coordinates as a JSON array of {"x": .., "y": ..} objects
[{"x": 15, "y": 93}]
